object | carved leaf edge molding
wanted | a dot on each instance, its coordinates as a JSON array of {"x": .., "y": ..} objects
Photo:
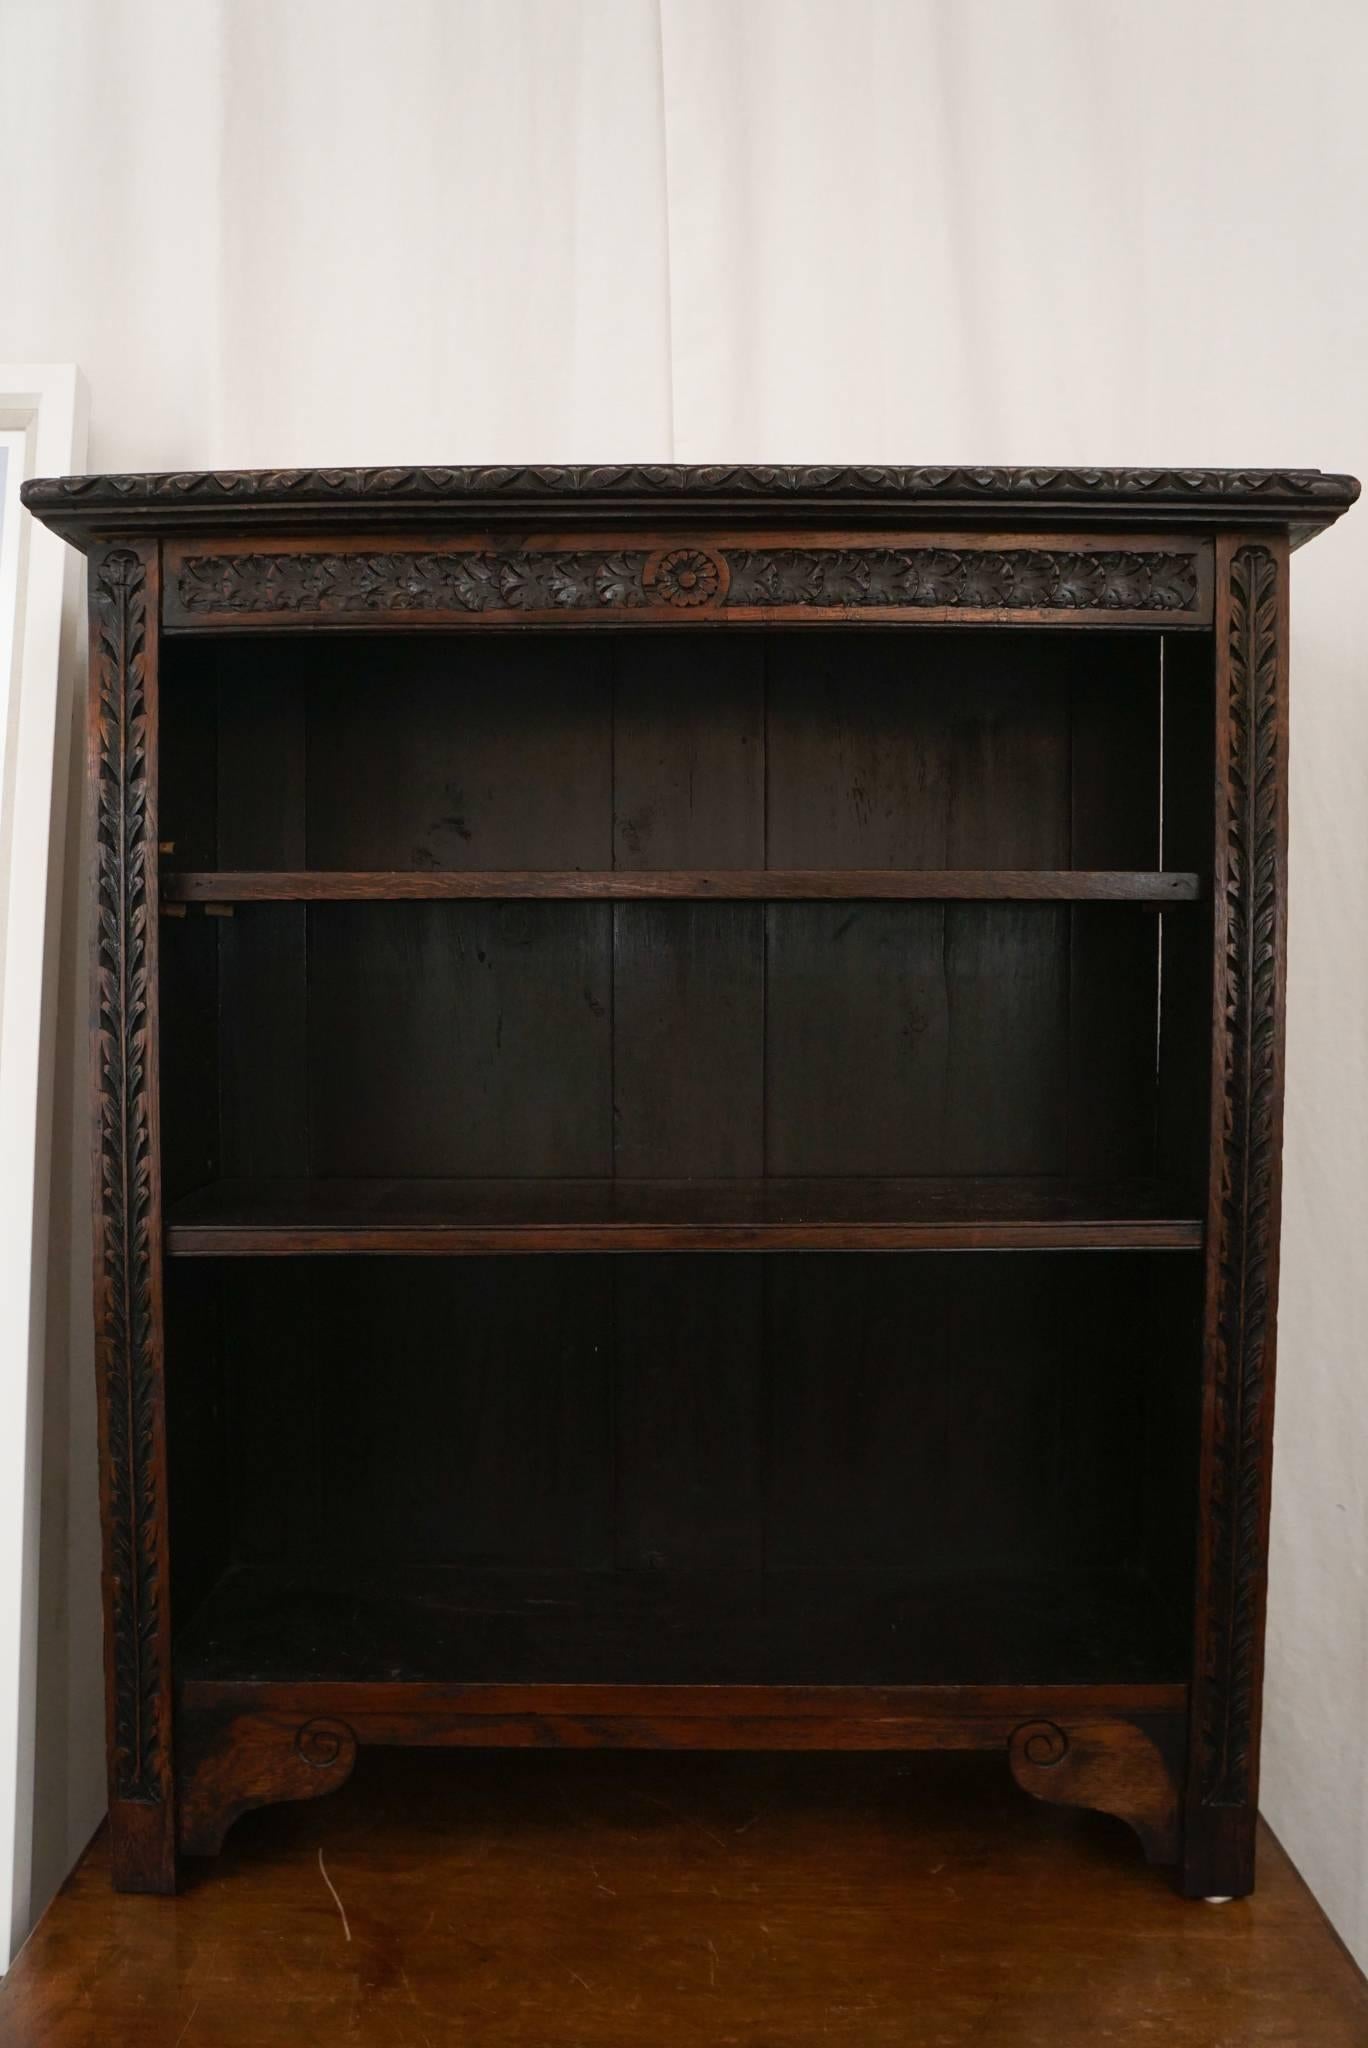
[
  {"x": 691, "y": 578},
  {"x": 728, "y": 480},
  {"x": 126, "y": 1338},
  {"x": 1249, "y": 1180}
]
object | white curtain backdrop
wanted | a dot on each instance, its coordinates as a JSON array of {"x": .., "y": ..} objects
[{"x": 337, "y": 231}]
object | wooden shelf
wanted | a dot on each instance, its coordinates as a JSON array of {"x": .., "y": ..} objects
[
  {"x": 1051, "y": 885},
  {"x": 453, "y": 1217},
  {"x": 860, "y": 1626}
]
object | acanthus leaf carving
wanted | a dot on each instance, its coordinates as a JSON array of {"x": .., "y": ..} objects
[
  {"x": 1246, "y": 1220},
  {"x": 127, "y": 1335}
]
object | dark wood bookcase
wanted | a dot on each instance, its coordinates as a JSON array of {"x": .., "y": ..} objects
[{"x": 687, "y": 1078}]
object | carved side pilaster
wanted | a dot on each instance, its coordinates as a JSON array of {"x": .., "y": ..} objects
[
  {"x": 128, "y": 1295},
  {"x": 1243, "y": 1210}
]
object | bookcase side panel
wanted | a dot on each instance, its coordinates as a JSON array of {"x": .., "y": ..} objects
[
  {"x": 1244, "y": 1201},
  {"x": 129, "y": 1347}
]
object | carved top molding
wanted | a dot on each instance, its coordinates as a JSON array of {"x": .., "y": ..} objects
[{"x": 85, "y": 508}]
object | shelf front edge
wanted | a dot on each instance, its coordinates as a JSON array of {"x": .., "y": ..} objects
[
  {"x": 228, "y": 1240},
  {"x": 855, "y": 1717},
  {"x": 1155, "y": 887}
]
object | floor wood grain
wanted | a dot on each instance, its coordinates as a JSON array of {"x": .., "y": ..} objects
[{"x": 535, "y": 1900}]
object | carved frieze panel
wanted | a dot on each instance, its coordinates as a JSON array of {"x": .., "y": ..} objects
[{"x": 690, "y": 580}]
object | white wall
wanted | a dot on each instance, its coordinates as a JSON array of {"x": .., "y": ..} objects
[
  {"x": 280, "y": 231},
  {"x": 42, "y": 424}
]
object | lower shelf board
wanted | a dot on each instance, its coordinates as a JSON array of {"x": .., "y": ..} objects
[
  {"x": 630, "y": 1628},
  {"x": 660, "y": 1716},
  {"x": 451, "y": 1217}
]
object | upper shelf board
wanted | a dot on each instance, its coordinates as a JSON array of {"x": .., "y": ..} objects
[
  {"x": 972, "y": 885},
  {"x": 89, "y": 509}
]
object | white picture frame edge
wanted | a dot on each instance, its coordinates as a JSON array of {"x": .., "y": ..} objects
[{"x": 46, "y": 404}]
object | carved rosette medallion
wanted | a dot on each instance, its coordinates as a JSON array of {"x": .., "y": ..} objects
[
  {"x": 687, "y": 577},
  {"x": 1244, "y": 1226},
  {"x": 127, "y": 1337}
]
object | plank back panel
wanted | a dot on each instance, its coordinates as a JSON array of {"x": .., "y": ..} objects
[{"x": 450, "y": 1039}]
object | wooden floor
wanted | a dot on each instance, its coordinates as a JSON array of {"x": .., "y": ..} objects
[{"x": 624, "y": 1901}]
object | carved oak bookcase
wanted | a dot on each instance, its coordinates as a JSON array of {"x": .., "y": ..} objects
[{"x": 688, "y": 1092}]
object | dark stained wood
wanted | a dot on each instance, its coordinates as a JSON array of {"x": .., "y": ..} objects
[
  {"x": 1130, "y": 1769},
  {"x": 336, "y": 1621},
  {"x": 689, "y": 763},
  {"x": 1008, "y": 1040},
  {"x": 1114, "y": 797},
  {"x": 689, "y": 1414},
  {"x": 534, "y": 1900},
  {"x": 1116, "y": 1748},
  {"x": 931, "y": 752},
  {"x": 276, "y": 1367},
  {"x": 943, "y": 1717},
  {"x": 955, "y": 1020},
  {"x": 200, "y": 1431},
  {"x": 262, "y": 761},
  {"x": 1183, "y": 1109},
  {"x": 589, "y": 939},
  {"x": 1245, "y": 1194},
  {"x": 191, "y": 1112},
  {"x": 688, "y": 1041},
  {"x": 187, "y": 827},
  {"x": 855, "y": 990},
  {"x": 447, "y": 1217},
  {"x": 229, "y": 1765},
  {"x": 498, "y": 1414},
  {"x": 969, "y": 1396},
  {"x": 1023, "y": 884},
  {"x": 365, "y": 501},
  {"x": 129, "y": 1318},
  {"x": 502, "y": 757},
  {"x": 956, "y": 1025},
  {"x": 670, "y": 579},
  {"x": 459, "y": 1039}
]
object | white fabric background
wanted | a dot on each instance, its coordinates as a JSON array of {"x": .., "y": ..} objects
[{"x": 298, "y": 231}]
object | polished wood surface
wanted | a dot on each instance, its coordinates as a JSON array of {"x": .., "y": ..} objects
[
  {"x": 558, "y": 940},
  {"x": 1117, "y": 1748},
  {"x": 965, "y": 885},
  {"x": 544, "y": 1901},
  {"x": 446, "y": 1217}
]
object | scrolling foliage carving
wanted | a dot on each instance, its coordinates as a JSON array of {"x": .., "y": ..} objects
[
  {"x": 1246, "y": 1220},
  {"x": 689, "y": 579},
  {"x": 126, "y": 1326}
]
